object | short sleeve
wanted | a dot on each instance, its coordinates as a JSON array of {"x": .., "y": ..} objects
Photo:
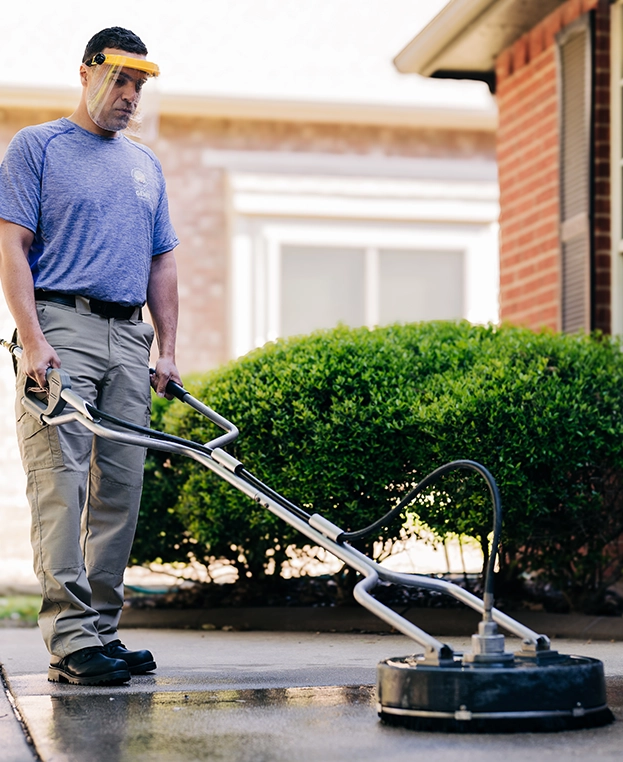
[
  {"x": 20, "y": 182},
  {"x": 164, "y": 233}
]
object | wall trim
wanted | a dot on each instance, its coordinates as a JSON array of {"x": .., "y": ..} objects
[{"x": 392, "y": 115}]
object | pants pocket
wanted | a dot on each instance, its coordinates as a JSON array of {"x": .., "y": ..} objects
[{"x": 39, "y": 444}]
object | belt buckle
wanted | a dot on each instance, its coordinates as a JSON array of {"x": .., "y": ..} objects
[
  {"x": 100, "y": 308},
  {"x": 111, "y": 309}
]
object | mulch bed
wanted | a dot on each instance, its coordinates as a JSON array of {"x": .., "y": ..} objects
[{"x": 334, "y": 591}]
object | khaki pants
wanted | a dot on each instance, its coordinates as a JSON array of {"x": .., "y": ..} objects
[{"x": 84, "y": 491}]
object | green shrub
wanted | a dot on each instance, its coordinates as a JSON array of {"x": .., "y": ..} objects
[
  {"x": 344, "y": 421},
  {"x": 544, "y": 413},
  {"x": 161, "y": 535},
  {"x": 325, "y": 421}
]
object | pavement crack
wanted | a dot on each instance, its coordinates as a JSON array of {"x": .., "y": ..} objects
[{"x": 17, "y": 714}]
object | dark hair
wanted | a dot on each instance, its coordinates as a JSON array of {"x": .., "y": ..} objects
[{"x": 114, "y": 37}]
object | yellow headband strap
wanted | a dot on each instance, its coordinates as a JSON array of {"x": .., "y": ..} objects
[{"x": 132, "y": 63}]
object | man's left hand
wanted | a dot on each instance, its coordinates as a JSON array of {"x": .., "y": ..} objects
[{"x": 166, "y": 371}]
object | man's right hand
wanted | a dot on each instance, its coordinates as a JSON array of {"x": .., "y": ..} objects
[
  {"x": 36, "y": 359},
  {"x": 18, "y": 287}
]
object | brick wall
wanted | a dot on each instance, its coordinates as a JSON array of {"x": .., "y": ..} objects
[
  {"x": 602, "y": 244},
  {"x": 528, "y": 160}
]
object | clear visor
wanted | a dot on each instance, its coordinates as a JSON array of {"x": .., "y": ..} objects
[{"x": 115, "y": 98}]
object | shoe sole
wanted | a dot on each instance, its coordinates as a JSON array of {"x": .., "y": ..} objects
[
  {"x": 141, "y": 669},
  {"x": 110, "y": 678}
]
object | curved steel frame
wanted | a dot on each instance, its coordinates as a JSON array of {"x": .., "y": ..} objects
[{"x": 315, "y": 528}]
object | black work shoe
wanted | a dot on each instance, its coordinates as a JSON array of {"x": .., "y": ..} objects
[
  {"x": 89, "y": 666},
  {"x": 138, "y": 662}
]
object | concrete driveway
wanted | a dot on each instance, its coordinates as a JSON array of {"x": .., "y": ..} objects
[{"x": 256, "y": 697}]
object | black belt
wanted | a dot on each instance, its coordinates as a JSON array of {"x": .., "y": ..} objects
[{"x": 105, "y": 309}]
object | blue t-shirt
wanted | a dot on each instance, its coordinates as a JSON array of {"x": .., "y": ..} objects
[{"x": 97, "y": 206}]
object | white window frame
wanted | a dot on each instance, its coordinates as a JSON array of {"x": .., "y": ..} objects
[
  {"x": 369, "y": 203},
  {"x": 256, "y": 267}
]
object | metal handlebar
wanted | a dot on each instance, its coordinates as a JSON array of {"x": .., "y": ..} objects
[
  {"x": 58, "y": 394},
  {"x": 177, "y": 391},
  {"x": 58, "y": 381}
]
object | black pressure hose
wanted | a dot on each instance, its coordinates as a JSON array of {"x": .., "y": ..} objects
[
  {"x": 359, "y": 534},
  {"x": 434, "y": 476}
]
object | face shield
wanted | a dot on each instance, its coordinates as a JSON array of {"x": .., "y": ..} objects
[{"x": 115, "y": 98}]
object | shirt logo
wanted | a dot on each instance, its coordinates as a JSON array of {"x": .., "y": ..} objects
[
  {"x": 139, "y": 176},
  {"x": 140, "y": 182}
]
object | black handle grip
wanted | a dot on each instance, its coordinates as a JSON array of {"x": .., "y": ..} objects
[{"x": 175, "y": 390}]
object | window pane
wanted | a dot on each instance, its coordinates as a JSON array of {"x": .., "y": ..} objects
[
  {"x": 320, "y": 287},
  {"x": 420, "y": 285}
]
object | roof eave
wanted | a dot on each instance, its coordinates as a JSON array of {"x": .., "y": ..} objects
[
  {"x": 419, "y": 56},
  {"x": 468, "y": 35}
]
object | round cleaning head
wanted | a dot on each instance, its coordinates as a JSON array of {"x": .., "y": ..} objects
[{"x": 561, "y": 693}]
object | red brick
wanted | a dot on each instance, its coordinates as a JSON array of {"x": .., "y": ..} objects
[
  {"x": 520, "y": 53},
  {"x": 601, "y": 205},
  {"x": 602, "y": 241},
  {"x": 552, "y": 25},
  {"x": 571, "y": 10},
  {"x": 536, "y": 42},
  {"x": 503, "y": 67}
]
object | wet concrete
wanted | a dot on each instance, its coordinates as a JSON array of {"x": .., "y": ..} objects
[
  {"x": 263, "y": 697},
  {"x": 13, "y": 744}
]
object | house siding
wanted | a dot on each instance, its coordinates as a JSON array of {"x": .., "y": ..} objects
[
  {"x": 528, "y": 148},
  {"x": 200, "y": 204}
]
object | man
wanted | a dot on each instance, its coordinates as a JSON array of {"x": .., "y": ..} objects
[{"x": 85, "y": 241}]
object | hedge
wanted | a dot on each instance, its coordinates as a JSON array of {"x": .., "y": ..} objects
[{"x": 344, "y": 421}]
